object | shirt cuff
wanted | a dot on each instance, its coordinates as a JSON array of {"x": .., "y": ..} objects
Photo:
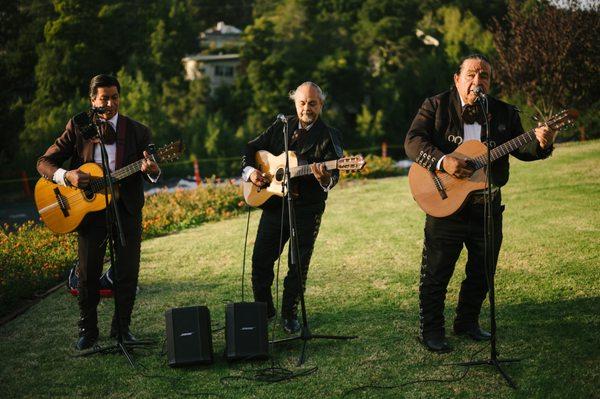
[
  {"x": 439, "y": 163},
  {"x": 247, "y": 172},
  {"x": 59, "y": 177},
  {"x": 154, "y": 179},
  {"x": 328, "y": 187}
]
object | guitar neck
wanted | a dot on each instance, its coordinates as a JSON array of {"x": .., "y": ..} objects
[
  {"x": 117, "y": 175},
  {"x": 303, "y": 170},
  {"x": 504, "y": 149}
]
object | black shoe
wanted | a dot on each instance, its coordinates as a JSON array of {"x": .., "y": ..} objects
[
  {"x": 476, "y": 334},
  {"x": 291, "y": 326},
  {"x": 127, "y": 336},
  {"x": 437, "y": 345},
  {"x": 86, "y": 340}
]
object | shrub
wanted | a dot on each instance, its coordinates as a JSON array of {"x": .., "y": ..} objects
[
  {"x": 32, "y": 258},
  {"x": 376, "y": 167}
]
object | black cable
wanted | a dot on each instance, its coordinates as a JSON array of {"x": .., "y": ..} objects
[
  {"x": 173, "y": 380},
  {"x": 245, "y": 246},
  {"x": 268, "y": 375},
  {"x": 412, "y": 382}
]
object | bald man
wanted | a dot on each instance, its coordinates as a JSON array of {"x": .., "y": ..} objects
[{"x": 312, "y": 141}]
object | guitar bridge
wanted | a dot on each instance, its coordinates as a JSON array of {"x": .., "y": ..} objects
[
  {"x": 62, "y": 202},
  {"x": 439, "y": 185}
]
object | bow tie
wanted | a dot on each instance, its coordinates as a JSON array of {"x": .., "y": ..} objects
[
  {"x": 108, "y": 133},
  {"x": 472, "y": 113}
]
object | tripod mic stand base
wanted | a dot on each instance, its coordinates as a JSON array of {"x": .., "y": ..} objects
[
  {"x": 492, "y": 362},
  {"x": 305, "y": 336},
  {"x": 118, "y": 347}
]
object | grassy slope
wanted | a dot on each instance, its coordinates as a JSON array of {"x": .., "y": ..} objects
[{"x": 364, "y": 281}]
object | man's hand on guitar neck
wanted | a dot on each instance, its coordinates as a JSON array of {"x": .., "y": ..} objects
[
  {"x": 258, "y": 178},
  {"x": 457, "y": 167},
  {"x": 545, "y": 136},
  {"x": 77, "y": 178},
  {"x": 149, "y": 166},
  {"x": 321, "y": 173}
]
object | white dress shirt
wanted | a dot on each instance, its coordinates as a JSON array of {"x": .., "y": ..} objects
[{"x": 472, "y": 131}]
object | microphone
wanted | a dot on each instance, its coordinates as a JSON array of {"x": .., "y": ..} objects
[
  {"x": 98, "y": 110},
  {"x": 478, "y": 90},
  {"x": 282, "y": 118}
]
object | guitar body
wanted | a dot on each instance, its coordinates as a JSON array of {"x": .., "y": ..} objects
[
  {"x": 273, "y": 166},
  {"x": 63, "y": 208},
  {"x": 426, "y": 193}
]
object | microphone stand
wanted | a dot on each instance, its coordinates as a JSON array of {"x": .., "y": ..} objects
[
  {"x": 113, "y": 228},
  {"x": 490, "y": 261},
  {"x": 305, "y": 333}
]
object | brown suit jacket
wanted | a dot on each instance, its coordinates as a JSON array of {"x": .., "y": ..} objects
[
  {"x": 438, "y": 129},
  {"x": 72, "y": 146}
]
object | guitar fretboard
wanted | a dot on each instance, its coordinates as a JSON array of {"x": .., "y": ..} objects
[
  {"x": 97, "y": 185},
  {"x": 504, "y": 149},
  {"x": 303, "y": 170}
]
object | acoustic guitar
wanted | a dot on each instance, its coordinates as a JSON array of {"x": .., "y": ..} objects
[
  {"x": 440, "y": 194},
  {"x": 274, "y": 168},
  {"x": 63, "y": 208}
]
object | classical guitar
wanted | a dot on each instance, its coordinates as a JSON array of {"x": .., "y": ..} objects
[
  {"x": 440, "y": 194},
  {"x": 63, "y": 208},
  {"x": 274, "y": 168}
]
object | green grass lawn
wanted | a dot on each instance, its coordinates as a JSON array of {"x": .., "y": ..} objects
[{"x": 363, "y": 280}]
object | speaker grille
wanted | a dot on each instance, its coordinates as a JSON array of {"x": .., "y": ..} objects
[{"x": 189, "y": 338}]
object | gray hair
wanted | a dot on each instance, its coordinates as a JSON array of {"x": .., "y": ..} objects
[{"x": 322, "y": 95}]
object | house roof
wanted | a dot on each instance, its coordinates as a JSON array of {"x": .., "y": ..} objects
[
  {"x": 212, "y": 57},
  {"x": 222, "y": 29}
]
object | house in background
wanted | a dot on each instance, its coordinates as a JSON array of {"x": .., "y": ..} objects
[{"x": 219, "y": 58}]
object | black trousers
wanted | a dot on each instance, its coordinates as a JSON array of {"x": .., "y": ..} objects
[
  {"x": 266, "y": 252},
  {"x": 444, "y": 240},
  {"x": 92, "y": 241}
]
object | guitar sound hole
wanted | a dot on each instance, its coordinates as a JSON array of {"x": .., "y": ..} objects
[
  {"x": 88, "y": 194},
  {"x": 279, "y": 174}
]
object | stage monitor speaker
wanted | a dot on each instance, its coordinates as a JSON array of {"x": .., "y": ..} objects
[
  {"x": 189, "y": 337},
  {"x": 246, "y": 335}
]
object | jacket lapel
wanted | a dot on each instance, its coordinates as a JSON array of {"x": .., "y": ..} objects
[
  {"x": 121, "y": 128},
  {"x": 314, "y": 134},
  {"x": 456, "y": 123}
]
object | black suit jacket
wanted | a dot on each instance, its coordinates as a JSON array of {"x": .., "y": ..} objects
[
  {"x": 437, "y": 129},
  {"x": 71, "y": 145},
  {"x": 322, "y": 143}
]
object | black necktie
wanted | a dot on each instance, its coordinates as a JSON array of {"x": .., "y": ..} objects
[
  {"x": 108, "y": 133},
  {"x": 472, "y": 113}
]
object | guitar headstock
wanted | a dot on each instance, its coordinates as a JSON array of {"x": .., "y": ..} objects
[
  {"x": 169, "y": 152},
  {"x": 351, "y": 163},
  {"x": 563, "y": 119}
]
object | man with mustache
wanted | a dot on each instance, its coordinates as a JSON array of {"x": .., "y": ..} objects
[
  {"x": 313, "y": 141},
  {"x": 442, "y": 123},
  {"x": 126, "y": 142}
]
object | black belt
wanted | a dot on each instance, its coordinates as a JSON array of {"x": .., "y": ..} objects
[{"x": 478, "y": 197}]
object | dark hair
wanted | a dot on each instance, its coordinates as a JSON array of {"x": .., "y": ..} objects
[
  {"x": 474, "y": 56},
  {"x": 103, "y": 81}
]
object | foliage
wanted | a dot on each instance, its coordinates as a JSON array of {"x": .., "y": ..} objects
[
  {"x": 553, "y": 67},
  {"x": 375, "y": 167},
  {"x": 165, "y": 212},
  {"x": 31, "y": 258},
  {"x": 370, "y": 57}
]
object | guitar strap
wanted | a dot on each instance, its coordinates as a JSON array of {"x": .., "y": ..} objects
[{"x": 121, "y": 128}]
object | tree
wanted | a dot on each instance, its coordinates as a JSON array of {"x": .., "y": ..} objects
[{"x": 550, "y": 55}]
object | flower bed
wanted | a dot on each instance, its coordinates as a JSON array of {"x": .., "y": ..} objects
[{"x": 32, "y": 258}]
